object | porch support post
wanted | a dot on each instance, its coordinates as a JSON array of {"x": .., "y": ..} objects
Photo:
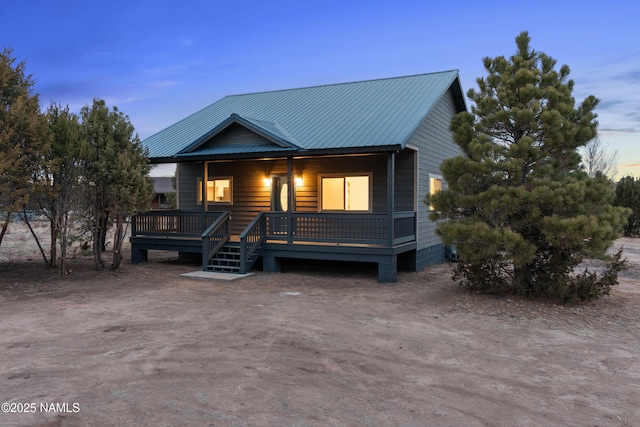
[
  {"x": 203, "y": 190},
  {"x": 290, "y": 199},
  {"x": 391, "y": 172},
  {"x": 203, "y": 195}
]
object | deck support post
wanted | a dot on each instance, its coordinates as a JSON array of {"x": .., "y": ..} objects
[
  {"x": 271, "y": 264},
  {"x": 388, "y": 270},
  {"x": 138, "y": 255}
]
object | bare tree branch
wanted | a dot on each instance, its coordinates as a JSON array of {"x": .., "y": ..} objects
[{"x": 597, "y": 158}]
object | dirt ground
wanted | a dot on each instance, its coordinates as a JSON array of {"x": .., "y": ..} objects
[{"x": 312, "y": 346}]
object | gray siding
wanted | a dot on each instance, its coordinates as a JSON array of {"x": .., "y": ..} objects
[
  {"x": 429, "y": 256},
  {"x": 187, "y": 178},
  {"x": 434, "y": 142},
  {"x": 237, "y": 134},
  {"x": 405, "y": 181},
  {"x": 251, "y": 195}
]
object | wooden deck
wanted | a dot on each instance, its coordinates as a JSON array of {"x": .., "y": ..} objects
[{"x": 367, "y": 237}]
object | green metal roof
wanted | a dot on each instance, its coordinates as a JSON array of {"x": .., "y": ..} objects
[{"x": 366, "y": 114}]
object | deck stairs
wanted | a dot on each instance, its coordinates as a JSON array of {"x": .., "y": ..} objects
[{"x": 227, "y": 259}]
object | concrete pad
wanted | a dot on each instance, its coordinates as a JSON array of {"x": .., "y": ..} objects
[{"x": 212, "y": 275}]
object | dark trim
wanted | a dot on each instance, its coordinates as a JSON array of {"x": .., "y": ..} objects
[
  {"x": 391, "y": 174},
  {"x": 244, "y": 122},
  {"x": 386, "y": 258},
  {"x": 458, "y": 96},
  {"x": 277, "y": 154}
]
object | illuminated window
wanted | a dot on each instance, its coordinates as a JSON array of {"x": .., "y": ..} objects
[
  {"x": 218, "y": 190},
  {"x": 435, "y": 185},
  {"x": 345, "y": 193}
]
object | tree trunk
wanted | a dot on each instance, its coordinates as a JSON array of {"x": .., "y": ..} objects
[
  {"x": 26, "y": 221},
  {"x": 120, "y": 234},
  {"x": 97, "y": 241},
  {"x": 103, "y": 232},
  {"x": 54, "y": 227},
  {"x": 64, "y": 242},
  {"x": 5, "y": 225},
  {"x": 523, "y": 280}
]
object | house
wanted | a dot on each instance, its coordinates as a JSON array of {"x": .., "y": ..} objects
[
  {"x": 334, "y": 172},
  {"x": 161, "y": 186}
]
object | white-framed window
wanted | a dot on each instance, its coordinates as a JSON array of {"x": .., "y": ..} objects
[
  {"x": 435, "y": 185},
  {"x": 219, "y": 190},
  {"x": 345, "y": 192}
]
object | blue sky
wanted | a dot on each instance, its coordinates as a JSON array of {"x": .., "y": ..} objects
[{"x": 159, "y": 61}]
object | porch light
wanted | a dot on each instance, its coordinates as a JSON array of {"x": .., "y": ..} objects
[{"x": 298, "y": 180}]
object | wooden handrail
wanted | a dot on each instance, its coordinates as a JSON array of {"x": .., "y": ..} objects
[
  {"x": 251, "y": 240},
  {"x": 173, "y": 223},
  {"x": 214, "y": 237}
]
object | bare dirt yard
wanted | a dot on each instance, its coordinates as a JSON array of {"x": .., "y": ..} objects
[{"x": 313, "y": 346}]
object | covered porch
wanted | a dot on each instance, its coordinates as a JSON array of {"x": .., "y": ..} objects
[
  {"x": 371, "y": 237},
  {"x": 356, "y": 207}
]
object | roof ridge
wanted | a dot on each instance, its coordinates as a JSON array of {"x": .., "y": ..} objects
[{"x": 342, "y": 83}]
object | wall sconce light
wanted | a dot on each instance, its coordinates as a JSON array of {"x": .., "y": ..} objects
[
  {"x": 298, "y": 180},
  {"x": 267, "y": 181}
]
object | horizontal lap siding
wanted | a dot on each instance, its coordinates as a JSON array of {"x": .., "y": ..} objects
[
  {"x": 250, "y": 194},
  {"x": 405, "y": 181},
  {"x": 236, "y": 134},
  {"x": 187, "y": 178},
  {"x": 311, "y": 168},
  {"x": 435, "y": 143}
]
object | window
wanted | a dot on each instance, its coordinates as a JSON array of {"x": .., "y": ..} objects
[
  {"x": 218, "y": 190},
  {"x": 435, "y": 185},
  {"x": 345, "y": 193}
]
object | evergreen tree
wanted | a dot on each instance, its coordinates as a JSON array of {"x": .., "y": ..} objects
[
  {"x": 60, "y": 180},
  {"x": 628, "y": 195},
  {"x": 116, "y": 181},
  {"x": 519, "y": 207},
  {"x": 23, "y": 136}
]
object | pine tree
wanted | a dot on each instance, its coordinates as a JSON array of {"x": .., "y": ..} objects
[
  {"x": 23, "y": 136},
  {"x": 519, "y": 207},
  {"x": 60, "y": 179},
  {"x": 628, "y": 195},
  {"x": 116, "y": 176}
]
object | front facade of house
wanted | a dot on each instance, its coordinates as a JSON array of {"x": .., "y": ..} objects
[{"x": 335, "y": 172}]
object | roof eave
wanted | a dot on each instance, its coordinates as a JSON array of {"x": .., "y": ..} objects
[
  {"x": 235, "y": 118},
  {"x": 281, "y": 154}
]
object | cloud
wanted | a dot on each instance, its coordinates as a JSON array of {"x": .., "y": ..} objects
[
  {"x": 631, "y": 165},
  {"x": 604, "y": 105},
  {"x": 164, "y": 83},
  {"x": 633, "y": 76},
  {"x": 612, "y": 130}
]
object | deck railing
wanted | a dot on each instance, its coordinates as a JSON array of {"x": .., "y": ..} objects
[
  {"x": 214, "y": 237},
  {"x": 173, "y": 223},
  {"x": 368, "y": 228},
  {"x": 404, "y": 227},
  {"x": 300, "y": 227},
  {"x": 251, "y": 240}
]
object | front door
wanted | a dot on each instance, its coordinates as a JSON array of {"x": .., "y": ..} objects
[
  {"x": 280, "y": 202},
  {"x": 280, "y": 193}
]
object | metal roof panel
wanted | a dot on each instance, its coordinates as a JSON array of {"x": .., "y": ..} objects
[{"x": 370, "y": 113}]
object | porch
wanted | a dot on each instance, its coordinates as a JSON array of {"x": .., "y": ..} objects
[{"x": 370, "y": 237}]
